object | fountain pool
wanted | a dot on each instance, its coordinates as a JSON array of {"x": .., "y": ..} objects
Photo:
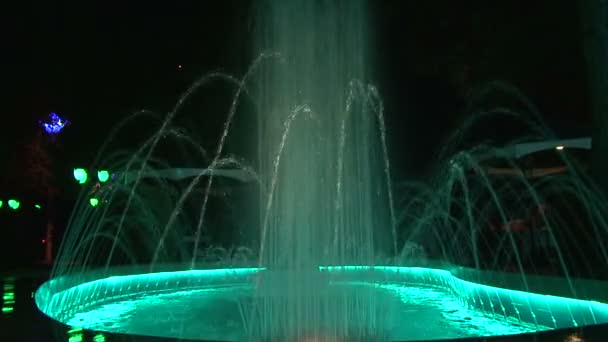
[{"x": 417, "y": 304}]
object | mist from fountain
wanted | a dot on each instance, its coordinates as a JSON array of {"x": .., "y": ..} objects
[{"x": 322, "y": 155}]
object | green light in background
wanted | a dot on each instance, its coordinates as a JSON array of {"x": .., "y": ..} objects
[
  {"x": 1, "y": 203},
  {"x": 103, "y": 176},
  {"x": 80, "y": 175},
  {"x": 93, "y": 201},
  {"x": 37, "y": 206},
  {"x": 14, "y": 204},
  {"x": 7, "y": 309}
]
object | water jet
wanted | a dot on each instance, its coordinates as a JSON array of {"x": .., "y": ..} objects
[{"x": 325, "y": 213}]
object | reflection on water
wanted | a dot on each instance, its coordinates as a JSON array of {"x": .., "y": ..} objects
[
  {"x": 8, "y": 295},
  {"x": 76, "y": 334},
  {"x": 20, "y": 320}
]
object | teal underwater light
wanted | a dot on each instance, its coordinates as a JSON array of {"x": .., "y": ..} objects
[{"x": 542, "y": 312}]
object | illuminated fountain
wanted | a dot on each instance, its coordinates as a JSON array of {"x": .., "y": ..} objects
[{"x": 323, "y": 218}]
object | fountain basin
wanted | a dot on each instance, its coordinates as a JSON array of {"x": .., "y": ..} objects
[{"x": 419, "y": 303}]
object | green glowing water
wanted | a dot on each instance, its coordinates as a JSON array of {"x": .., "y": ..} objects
[
  {"x": 412, "y": 304},
  {"x": 422, "y": 313}
]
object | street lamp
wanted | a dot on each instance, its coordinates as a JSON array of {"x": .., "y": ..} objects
[
  {"x": 103, "y": 176},
  {"x": 80, "y": 175},
  {"x": 13, "y": 204},
  {"x": 93, "y": 201}
]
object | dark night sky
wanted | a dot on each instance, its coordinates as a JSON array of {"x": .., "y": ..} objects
[{"x": 97, "y": 62}]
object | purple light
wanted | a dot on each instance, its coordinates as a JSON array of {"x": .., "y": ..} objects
[{"x": 56, "y": 125}]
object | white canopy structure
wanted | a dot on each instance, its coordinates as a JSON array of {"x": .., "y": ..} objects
[
  {"x": 241, "y": 175},
  {"x": 523, "y": 149},
  {"x": 520, "y": 150}
]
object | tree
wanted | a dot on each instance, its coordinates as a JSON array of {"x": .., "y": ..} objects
[
  {"x": 38, "y": 175},
  {"x": 38, "y": 168}
]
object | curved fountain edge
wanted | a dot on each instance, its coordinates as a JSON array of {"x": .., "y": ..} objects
[{"x": 494, "y": 293}]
